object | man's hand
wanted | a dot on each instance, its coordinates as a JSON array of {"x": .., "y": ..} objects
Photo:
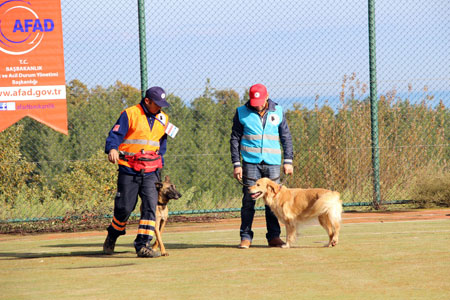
[
  {"x": 237, "y": 173},
  {"x": 113, "y": 156},
  {"x": 288, "y": 169}
]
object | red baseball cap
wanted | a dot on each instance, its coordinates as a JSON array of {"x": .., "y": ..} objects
[{"x": 258, "y": 95}]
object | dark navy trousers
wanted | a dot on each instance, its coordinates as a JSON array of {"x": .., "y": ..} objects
[{"x": 129, "y": 187}]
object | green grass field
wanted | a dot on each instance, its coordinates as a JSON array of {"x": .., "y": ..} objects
[{"x": 401, "y": 260}]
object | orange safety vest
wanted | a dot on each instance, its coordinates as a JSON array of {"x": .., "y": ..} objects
[{"x": 140, "y": 136}]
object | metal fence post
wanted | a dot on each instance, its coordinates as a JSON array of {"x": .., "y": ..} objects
[
  {"x": 374, "y": 107},
  {"x": 142, "y": 46}
]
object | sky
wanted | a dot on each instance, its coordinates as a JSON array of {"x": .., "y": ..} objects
[{"x": 298, "y": 49}]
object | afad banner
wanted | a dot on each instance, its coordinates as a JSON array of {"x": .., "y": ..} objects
[{"x": 32, "y": 81}]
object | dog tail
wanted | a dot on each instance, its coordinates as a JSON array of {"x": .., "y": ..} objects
[{"x": 331, "y": 204}]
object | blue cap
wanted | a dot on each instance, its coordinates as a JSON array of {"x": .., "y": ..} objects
[{"x": 157, "y": 95}]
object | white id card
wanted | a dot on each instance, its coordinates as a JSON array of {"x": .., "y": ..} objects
[{"x": 171, "y": 130}]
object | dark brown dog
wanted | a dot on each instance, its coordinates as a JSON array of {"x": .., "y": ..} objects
[{"x": 166, "y": 192}]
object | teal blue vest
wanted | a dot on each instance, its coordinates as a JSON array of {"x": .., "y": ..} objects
[{"x": 260, "y": 144}]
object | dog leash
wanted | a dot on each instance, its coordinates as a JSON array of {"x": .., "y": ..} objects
[
  {"x": 241, "y": 182},
  {"x": 285, "y": 179}
]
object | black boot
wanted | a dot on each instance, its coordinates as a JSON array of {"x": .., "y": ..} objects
[
  {"x": 147, "y": 252},
  {"x": 109, "y": 244}
]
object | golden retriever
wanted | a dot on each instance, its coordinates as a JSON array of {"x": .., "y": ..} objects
[{"x": 294, "y": 206}]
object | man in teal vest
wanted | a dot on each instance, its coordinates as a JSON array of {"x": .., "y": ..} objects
[{"x": 259, "y": 127}]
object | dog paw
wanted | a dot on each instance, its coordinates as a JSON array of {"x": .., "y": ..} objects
[
  {"x": 332, "y": 244},
  {"x": 285, "y": 246},
  {"x": 165, "y": 254}
]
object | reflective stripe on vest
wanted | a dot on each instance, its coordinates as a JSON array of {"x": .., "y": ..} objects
[
  {"x": 259, "y": 137},
  {"x": 260, "y": 144},
  {"x": 260, "y": 150},
  {"x": 141, "y": 142},
  {"x": 139, "y": 136}
]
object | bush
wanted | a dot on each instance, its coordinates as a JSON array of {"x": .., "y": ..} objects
[
  {"x": 90, "y": 185},
  {"x": 15, "y": 171},
  {"x": 432, "y": 189}
]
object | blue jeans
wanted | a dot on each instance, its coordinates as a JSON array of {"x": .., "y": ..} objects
[{"x": 252, "y": 172}]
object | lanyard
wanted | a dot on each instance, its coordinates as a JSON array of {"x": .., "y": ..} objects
[{"x": 155, "y": 118}]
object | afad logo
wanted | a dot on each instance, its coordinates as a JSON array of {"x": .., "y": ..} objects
[{"x": 21, "y": 28}]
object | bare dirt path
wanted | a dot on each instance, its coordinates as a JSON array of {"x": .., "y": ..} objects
[{"x": 259, "y": 222}]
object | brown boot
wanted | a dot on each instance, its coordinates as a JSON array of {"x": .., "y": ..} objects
[
  {"x": 245, "y": 244},
  {"x": 276, "y": 242}
]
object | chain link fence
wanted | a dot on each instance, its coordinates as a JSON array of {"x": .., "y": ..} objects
[{"x": 312, "y": 55}]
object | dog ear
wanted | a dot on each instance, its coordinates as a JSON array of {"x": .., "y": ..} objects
[
  {"x": 158, "y": 185},
  {"x": 273, "y": 186},
  {"x": 167, "y": 178}
]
